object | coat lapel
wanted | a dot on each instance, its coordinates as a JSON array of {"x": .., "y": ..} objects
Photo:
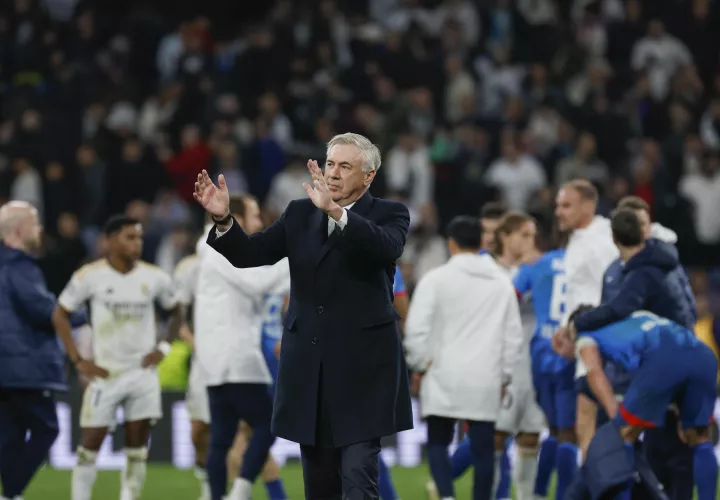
[{"x": 320, "y": 220}]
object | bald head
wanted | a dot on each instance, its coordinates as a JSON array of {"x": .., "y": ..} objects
[{"x": 20, "y": 226}]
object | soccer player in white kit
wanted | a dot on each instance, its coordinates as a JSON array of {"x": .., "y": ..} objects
[
  {"x": 123, "y": 292},
  {"x": 520, "y": 415}
]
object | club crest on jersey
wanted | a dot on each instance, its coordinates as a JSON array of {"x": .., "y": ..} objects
[{"x": 144, "y": 289}]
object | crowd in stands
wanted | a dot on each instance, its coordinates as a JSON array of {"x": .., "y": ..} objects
[{"x": 105, "y": 110}]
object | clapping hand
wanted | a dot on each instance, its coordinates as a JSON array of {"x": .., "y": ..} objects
[
  {"x": 214, "y": 199},
  {"x": 562, "y": 344},
  {"x": 320, "y": 193}
]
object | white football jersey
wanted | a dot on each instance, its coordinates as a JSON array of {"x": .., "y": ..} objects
[
  {"x": 523, "y": 370},
  {"x": 186, "y": 278},
  {"x": 122, "y": 310}
]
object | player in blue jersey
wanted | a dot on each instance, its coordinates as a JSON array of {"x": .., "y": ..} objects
[
  {"x": 668, "y": 365},
  {"x": 553, "y": 376}
]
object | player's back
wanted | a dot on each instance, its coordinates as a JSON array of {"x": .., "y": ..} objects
[{"x": 628, "y": 341}]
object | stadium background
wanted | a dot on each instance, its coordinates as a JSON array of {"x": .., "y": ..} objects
[{"x": 109, "y": 106}]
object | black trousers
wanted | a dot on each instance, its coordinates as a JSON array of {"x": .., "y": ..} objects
[{"x": 347, "y": 473}]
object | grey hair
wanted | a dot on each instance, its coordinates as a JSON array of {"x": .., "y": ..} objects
[
  {"x": 370, "y": 151},
  {"x": 12, "y": 214}
]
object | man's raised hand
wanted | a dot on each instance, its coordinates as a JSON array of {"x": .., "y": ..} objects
[
  {"x": 320, "y": 193},
  {"x": 214, "y": 199}
]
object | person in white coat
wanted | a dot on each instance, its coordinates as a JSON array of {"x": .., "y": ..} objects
[
  {"x": 589, "y": 253},
  {"x": 228, "y": 353},
  {"x": 463, "y": 334}
]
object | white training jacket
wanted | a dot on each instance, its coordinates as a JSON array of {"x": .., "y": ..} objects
[
  {"x": 228, "y": 317},
  {"x": 464, "y": 324}
]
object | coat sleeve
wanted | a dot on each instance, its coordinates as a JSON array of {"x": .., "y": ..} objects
[
  {"x": 31, "y": 296},
  {"x": 419, "y": 323},
  {"x": 632, "y": 296},
  {"x": 512, "y": 335},
  {"x": 381, "y": 241},
  {"x": 264, "y": 248}
]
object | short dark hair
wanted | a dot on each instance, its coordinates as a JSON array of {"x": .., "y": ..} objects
[
  {"x": 626, "y": 228},
  {"x": 493, "y": 210},
  {"x": 238, "y": 203},
  {"x": 580, "y": 309},
  {"x": 584, "y": 188},
  {"x": 117, "y": 223},
  {"x": 634, "y": 203},
  {"x": 465, "y": 232}
]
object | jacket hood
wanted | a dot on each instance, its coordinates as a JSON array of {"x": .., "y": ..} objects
[
  {"x": 656, "y": 254},
  {"x": 477, "y": 265},
  {"x": 8, "y": 255}
]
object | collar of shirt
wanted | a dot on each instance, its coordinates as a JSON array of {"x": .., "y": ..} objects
[{"x": 332, "y": 222}]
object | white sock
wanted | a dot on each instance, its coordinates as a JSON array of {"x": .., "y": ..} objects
[
  {"x": 84, "y": 475},
  {"x": 201, "y": 476},
  {"x": 525, "y": 472},
  {"x": 133, "y": 475},
  {"x": 496, "y": 473},
  {"x": 241, "y": 490}
]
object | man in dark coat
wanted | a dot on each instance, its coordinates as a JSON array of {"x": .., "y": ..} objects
[
  {"x": 31, "y": 361},
  {"x": 342, "y": 382}
]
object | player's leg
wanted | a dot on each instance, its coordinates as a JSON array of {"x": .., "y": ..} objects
[
  {"x": 143, "y": 407},
  {"x": 696, "y": 411},
  {"x": 237, "y": 450},
  {"x": 482, "y": 443},
  {"x": 254, "y": 405},
  {"x": 12, "y": 441},
  {"x": 462, "y": 458},
  {"x": 565, "y": 401},
  {"x": 532, "y": 423},
  {"x": 585, "y": 421},
  {"x": 505, "y": 482},
  {"x": 200, "y": 435},
  {"x": 137, "y": 436},
  {"x": 273, "y": 482},
  {"x": 199, "y": 412},
  {"x": 506, "y": 426},
  {"x": 97, "y": 417},
  {"x": 670, "y": 458},
  {"x": 545, "y": 393},
  {"x": 440, "y": 432}
]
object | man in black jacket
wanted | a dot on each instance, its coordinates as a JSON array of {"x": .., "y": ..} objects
[{"x": 342, "y": 382}]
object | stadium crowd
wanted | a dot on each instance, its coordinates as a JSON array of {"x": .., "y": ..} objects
[{"x": 110, "y": 110}]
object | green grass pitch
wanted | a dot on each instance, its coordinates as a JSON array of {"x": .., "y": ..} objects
[{"x": 168, "y": 482}]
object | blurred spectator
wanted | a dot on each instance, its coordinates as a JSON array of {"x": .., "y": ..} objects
[
  {"x": 583, "y": 164},
  {"x": 408, "y": 169},
  {"x": 703, "y": 190},
  {"x": 286, "y": 186}
]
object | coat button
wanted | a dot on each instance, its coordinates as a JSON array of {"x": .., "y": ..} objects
[
  {"x": 320, "y": 309},
  {"x": 314, "y": 340}
]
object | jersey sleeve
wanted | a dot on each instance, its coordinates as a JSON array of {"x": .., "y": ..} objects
[
  {"x": 523, "y": 279},
  {"x": 185, "y": 280},
  {"x": 399, "y": 288},
  {"x": 77, "y": 291},
  {"x": 166, "y": 295}
]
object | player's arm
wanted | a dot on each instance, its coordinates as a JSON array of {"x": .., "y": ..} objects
[
  {"x": 637, "y": 287},
  {"x": 169, "y": 299},
  {"x": 599, "y": 384},
  {"x": 513, "y": 336},
  {"x": 401, "y": 301},
  {"x": 72, "y": 297}
]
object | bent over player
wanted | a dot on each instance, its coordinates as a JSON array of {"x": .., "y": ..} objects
[
  {"x": 123, "y": 292},
  {"x": 668, "y": 365}
]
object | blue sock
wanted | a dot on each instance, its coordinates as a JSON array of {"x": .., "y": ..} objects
[
  {"x": 441, "y": 469},
  {"x": 627, "y": 493},
  {"x": 503, "y": 490},
  {"x": 705, "y": 471},
  {"x": 566, "y": 463},
  {"x": 461, "y": 459},
  {"x": 385, "y": 484},
  {"x": 546, "y": 464},
  {"x": 275, "y": 490}
]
